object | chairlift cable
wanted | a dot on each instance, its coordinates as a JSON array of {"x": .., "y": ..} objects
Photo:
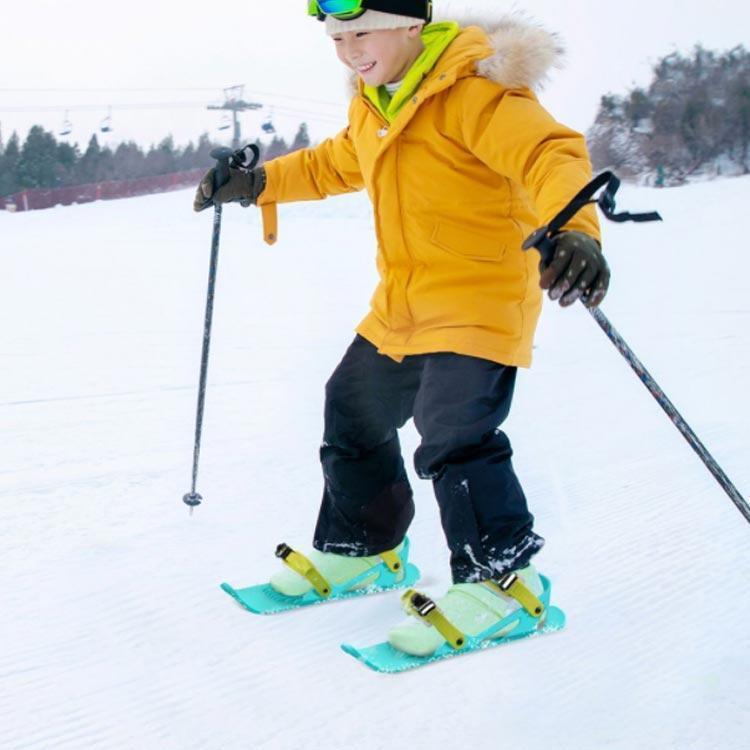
[{"x": 176, "y": 88}]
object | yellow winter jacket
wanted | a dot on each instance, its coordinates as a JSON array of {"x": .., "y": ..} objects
[{"x": 459, "y": 177}]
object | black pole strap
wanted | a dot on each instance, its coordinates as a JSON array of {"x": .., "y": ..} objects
[
  {"x": 245, "y": 158},
  {"x": 606, "y": 201},
  {"x": 542, "y": 238}
]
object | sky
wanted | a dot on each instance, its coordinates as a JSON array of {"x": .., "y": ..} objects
[{"x": 158, "y": 65}]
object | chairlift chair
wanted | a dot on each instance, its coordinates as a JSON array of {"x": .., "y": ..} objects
[
  {"x": 67, "y": 126},
  {"x": 106, "y": 123},
  {"x": 267, "y": 126}
]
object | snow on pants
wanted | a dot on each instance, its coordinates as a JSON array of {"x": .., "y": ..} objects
[{"x": 458, "y": 403}]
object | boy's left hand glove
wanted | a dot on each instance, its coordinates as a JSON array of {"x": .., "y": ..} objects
[
  {"x": 578, "y": 269},
  {"x": 243, "y": 187}
]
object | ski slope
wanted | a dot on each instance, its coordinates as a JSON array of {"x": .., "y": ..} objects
[{"x": 113, "y": 630}]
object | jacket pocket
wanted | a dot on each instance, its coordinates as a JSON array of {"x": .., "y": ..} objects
[{"x": 467, "y": 243}]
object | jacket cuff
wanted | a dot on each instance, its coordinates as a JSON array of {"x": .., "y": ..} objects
[
  {"x": 259, "y": 183},
  {"x": 270, "y": 180}
]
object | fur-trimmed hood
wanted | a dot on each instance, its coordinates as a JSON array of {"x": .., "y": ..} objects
[{"x": 523, "y": 53}]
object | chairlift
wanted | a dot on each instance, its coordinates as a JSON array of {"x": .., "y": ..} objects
[
  {"x": 67, "y": 126},
  {"x": 267, "y": 126},
  {"x": 106, "y": 123},
  {"x": 226, "y": 122}
]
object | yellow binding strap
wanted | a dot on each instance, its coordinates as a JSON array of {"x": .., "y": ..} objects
[
  {"x": 511, "y": 585},
  {"x": 392, "y": 560},
  {"x": 300, "y": 564},
  {"x": 424, "y": 608}
]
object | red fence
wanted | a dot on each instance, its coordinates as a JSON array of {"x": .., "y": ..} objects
[{"x": 28, "y": 200}]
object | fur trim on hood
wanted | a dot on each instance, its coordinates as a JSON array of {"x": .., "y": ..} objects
[{"x": 524, "y": 52}]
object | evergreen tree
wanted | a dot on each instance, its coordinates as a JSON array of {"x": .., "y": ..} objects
[
  {"x": 277, "y": 147},
  {"x": 693, "y": 128},
  {"x": 161, "y": 159},
  {"x": 106, "y": 169},
  {"x": 9, "y": 166},
  {"x": 37, "y": 165},
  {"x": 203, "y": 152},
  {"x": 302, "y": 139},
  {"x": 67, "y": 158},
  {"x": 608, "y": 105},
  {"x": 129, "y": 161},
  {"x": 638, "y": 107},
  {"x": 89, "y": 163},
  {"x": 42, "y": 162},
  {"x": 739, "y": 108},
  {"x": 186, "y": 159}
]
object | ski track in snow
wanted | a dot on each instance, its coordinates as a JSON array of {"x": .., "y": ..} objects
[{"x": 113, "y": 630}]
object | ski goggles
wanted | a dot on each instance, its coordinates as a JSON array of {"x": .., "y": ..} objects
[{"x": 347, "y": 10}]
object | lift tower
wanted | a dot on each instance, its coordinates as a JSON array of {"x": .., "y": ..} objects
[{"x": 234, "y": 102}]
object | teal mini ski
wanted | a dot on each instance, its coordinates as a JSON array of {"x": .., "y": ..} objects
[
  {"x": 265, "y": 600},
  {"x": 382, "y": 657}
]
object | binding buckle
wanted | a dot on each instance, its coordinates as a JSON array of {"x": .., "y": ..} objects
[
  {"x": 507, "y": 581},
  {"x": 283, "y": 551},
  {"x": 513, "y": 586},
  {"x": 300, "y": 564},
  {"x": 422, "y": 604}
]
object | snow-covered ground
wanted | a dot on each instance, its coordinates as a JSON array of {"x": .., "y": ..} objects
[{"x": 113, "y": 630}]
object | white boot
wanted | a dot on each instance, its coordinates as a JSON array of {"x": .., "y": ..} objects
[
  {"x": 469, "y": 607},
  {"x": 336, "y": 569}
]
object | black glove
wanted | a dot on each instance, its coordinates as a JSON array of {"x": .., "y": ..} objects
[
  {"x": 578, "y": 269},
  {"x": 244, "y": 187}
]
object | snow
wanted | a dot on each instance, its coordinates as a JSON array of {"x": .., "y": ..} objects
[{"x": 114, "y": 631}]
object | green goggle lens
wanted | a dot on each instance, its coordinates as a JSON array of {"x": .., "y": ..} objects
[
  {"x": 346, "y": 10},
  {"x": 342, "y": 9}
]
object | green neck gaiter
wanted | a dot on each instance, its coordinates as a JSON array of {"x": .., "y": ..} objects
[{"x": 436, "y": 38}]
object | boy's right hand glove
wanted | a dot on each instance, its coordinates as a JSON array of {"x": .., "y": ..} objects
[
  {"x": 244, "y": 187},
  {"x": 577, "y": 269}
]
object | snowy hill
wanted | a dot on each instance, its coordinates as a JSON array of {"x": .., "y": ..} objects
[{"x": 114, "y": 631}]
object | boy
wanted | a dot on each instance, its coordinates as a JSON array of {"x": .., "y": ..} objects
[{"x": 461, "y": 164}]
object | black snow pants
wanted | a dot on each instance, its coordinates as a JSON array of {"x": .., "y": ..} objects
[{"x": 458, "y": 403}]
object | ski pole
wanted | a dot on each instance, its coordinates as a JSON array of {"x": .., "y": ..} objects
[
  {"x": 671, "y": 411},
  {"x": 543, "y": 240},
  {"x": 244, "y": 159}
]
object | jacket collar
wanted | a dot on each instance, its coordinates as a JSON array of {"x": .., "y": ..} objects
[
  {"x": 511, "y": 51},
  {"x": 436, "y": 38}
]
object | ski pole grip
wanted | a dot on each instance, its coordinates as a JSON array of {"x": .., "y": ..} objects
[
  {"x": 221, "y": 171},
  {"x": 543, "y": 241}
]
